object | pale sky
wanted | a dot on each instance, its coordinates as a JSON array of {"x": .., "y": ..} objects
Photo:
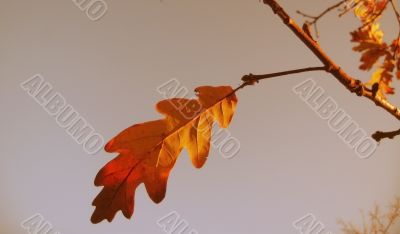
[{"x": 290, "y": 162}]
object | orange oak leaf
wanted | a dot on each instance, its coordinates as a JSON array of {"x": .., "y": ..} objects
[
  {"x": 368, "y": 11},
  {"x": 370, "y": 44},
  {"x": 383, "y": 76},
  {"x": 395, "y": 47},
  {"x": 148, "y": 151}
]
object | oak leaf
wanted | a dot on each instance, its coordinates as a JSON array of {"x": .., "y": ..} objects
[
  {"x": 380, "y": 76},
  {"x": 370, "y": 44},
  {"x": 148, "y": 151},
  {"x": 368, "y": 11},
  {"x": 395, "y": 47}
]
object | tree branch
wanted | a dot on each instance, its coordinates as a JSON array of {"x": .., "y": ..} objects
[
  {"x": 353, "y": 85},
  {"x": 251, "y": 79},
  {"x": 378, "y": 136}
]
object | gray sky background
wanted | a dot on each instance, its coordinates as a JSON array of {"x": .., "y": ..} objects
[{"x": 290, "y": 162}]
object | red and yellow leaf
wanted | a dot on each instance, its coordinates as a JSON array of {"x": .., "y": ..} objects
[
  {"x": 368, "y": 11},
  {"x": 148, "y": 151},
  {"x": 370, "y": 44}
]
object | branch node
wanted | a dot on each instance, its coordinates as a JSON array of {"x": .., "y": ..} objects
[
  {"x": 357, "y": 87},
  {"x": 332, "y": 69},
  {"x": 250, "y": 79}
]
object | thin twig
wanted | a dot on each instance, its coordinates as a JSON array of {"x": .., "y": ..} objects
[
  {"x": 318, "y": 17},
  {"x": 252, "y": 79},
  {"x": 378, "y": 136},
  {"x": 393, "y": 218},
  {"x": 256, "y": 78}
]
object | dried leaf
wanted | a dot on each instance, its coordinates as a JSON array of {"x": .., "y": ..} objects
[
  {"x": 370, "y": 44},
  {"x": 384, "y": 80},
  {"x": 368, "y": 11},
  {"x": 148, "y": 151}
]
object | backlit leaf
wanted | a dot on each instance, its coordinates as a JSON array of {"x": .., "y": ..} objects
[{"x": 148, "y": 151}]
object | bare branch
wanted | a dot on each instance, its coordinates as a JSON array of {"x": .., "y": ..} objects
[
  {"x": 256, "y": 78},
  {"x": 314, "y": 19},
  {"x": 252, "y": 79}
]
